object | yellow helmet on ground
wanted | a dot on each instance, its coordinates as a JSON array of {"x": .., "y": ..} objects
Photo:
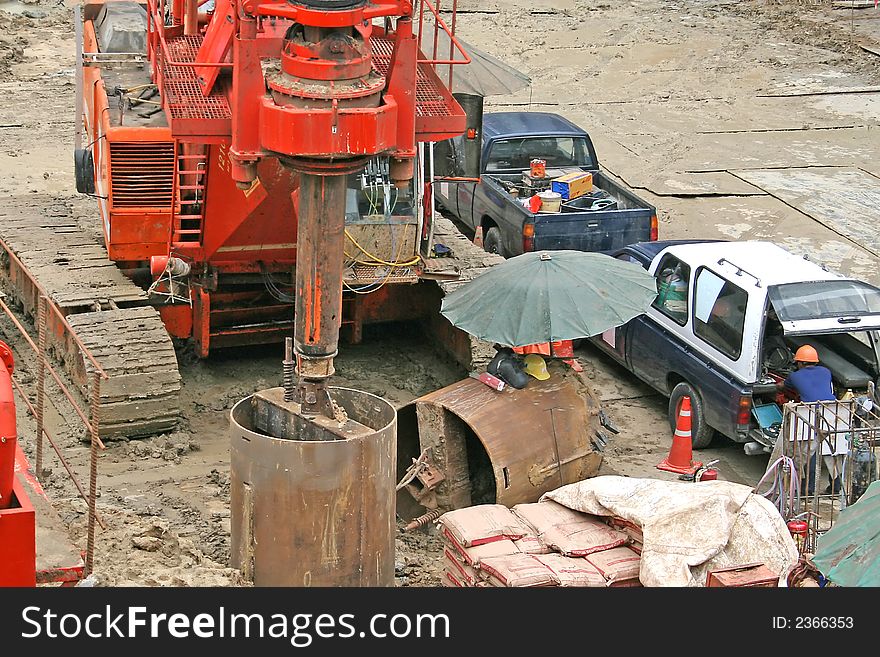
[{"x": 536, "y": 367}]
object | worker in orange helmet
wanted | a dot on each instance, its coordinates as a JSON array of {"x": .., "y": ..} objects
[{"x": 812, "y": 382}]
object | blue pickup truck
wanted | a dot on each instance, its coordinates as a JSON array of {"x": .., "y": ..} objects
[
  {"x": 726, "y": 320},
  {"x": 608, "y": 217}
]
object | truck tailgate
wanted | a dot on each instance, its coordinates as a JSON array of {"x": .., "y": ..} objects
[{"x": 592, "y": 230}]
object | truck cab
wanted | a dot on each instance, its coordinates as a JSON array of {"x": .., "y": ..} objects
[
  {"x": 726, "y": 321},
  {"x": 511, "y": 140}
]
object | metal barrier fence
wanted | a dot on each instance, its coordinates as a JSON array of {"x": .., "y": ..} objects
[
  {"x": 825, "y": 457},
  {"x": 90, "y": 417}
]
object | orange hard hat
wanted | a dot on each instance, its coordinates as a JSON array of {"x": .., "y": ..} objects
[{"x": 806, "y": 354}]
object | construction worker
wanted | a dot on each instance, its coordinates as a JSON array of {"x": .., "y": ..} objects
[
  {"x": 812, "y": 382},
  {"x": 540, "y": 348},
  {"x": 562, "y": 349},
  {"x": 508, "y": 366}
]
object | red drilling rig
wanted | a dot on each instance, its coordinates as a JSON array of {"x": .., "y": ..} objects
[
  {"x": 229, "y": 144},
  {"x": 267, "y": 115},
  {"x": 260, "y": 173},
  {"x": 262, "y": 165}
]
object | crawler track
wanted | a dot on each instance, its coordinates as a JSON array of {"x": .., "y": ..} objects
[{"x": 107, "y": 311}]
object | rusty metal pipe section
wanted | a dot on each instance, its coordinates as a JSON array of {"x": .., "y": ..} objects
[
  {"x": 508, "y": 448},
  {"x": 307, "y": 511}
]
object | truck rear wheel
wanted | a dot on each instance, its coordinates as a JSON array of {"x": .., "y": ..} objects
[
  {"x": 492, "y": 241},
  {"x": 701, "y": 433}
]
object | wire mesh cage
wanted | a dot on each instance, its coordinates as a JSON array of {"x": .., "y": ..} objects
[{"x": 825, "y": 457}]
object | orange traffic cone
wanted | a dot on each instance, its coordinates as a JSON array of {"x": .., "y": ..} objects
[
  {"x": 478, "y": 236},
  {"x": 681, "y": 452}
]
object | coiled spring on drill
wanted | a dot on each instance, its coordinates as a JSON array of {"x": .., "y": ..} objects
[{"x": 289, "y": 371}]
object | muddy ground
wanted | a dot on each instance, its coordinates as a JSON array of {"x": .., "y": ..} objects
[{"x": 689, "y": 102}]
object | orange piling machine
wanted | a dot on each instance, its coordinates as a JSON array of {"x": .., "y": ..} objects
[
  {"x": 284, "y": 169},
  {"x": 260, "y": 170},
  {"x": 256, "y": 139}
]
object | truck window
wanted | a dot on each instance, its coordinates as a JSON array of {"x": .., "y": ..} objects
[
  {"x": 626, "y": 257},
  {"x": 672, "y": 289},
  {"x": 719, "y": 312},
  {"x": 516, "y": 154},
  {"x": 824, "y": 299}
]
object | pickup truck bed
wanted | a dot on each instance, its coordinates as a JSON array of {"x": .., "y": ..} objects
[
  {"x": 498, "y": 202},
  {"x": 624, "y": 220}
]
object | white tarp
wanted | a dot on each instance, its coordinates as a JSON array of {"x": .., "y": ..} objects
[{"x": 689, "y": 528}]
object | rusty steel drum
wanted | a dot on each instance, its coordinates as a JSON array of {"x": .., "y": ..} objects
[
  {"x": 315, "y": 506},
  {"x": 509, "y": 447}
]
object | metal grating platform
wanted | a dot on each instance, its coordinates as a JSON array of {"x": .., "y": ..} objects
[
  {"x": 190, "y": 112},
  {"x": 437, "y": 113},
  {"x": 185, "y": 101},
  {"x": 184, "y": 48},
  {"x": 371, "y": 274}
]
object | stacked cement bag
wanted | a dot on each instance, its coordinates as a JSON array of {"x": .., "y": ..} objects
[
  {"x": 630, "y": 529},
  {"x": 540, "y": 544},
  {"x": 485, "y": 533}
]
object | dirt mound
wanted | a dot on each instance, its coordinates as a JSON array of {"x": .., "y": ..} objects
[
  {"x": 167, "y": 446},
  {"x": 155, "y": 555},
  {"x": 418, "y": 557}
]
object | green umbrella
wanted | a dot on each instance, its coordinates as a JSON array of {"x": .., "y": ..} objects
[
  {"x": 550, "y": 295},
  {"x": 848, "y": 554}
]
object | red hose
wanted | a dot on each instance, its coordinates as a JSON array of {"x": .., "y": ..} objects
[{"x": 7, "y": 427}]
